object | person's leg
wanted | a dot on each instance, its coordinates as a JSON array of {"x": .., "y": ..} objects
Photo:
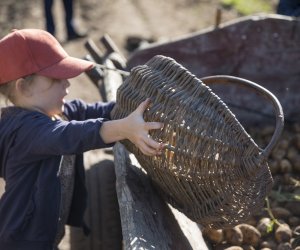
[
  {"x": 50, "y": 27},
  {"x": 71, "y": 29},
  {"x": 68, "y": 5},
  {"x": 289, "y": 7}
]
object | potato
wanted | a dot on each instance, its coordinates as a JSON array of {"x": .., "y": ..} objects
[
  {"x": 295, "y": 242},
  {"x": 281, "y": 213},
  {"x": 267, "y": 131},
  {"x": 296, "y": 163},
  {"x": 233, "y": 236},
  {"x": 270, "y": 244},
  {"x": 292, "y": 153},
  {"x": 296, "y": 127},
  {"x": 285, "y": 166},
  {"x": 294, "y": 221},
  {"x": 284, "y": 246},
  {"x": 293, "y": 207},
  {"x": 221, "y": 246},
  {"x": 213, "y": 235},
  {"x": 248, "y": 247},
  {"x": 296, "y": 232},
  {"x": 296, "y": 141},
  {"x": 283, "y": 233},
  {"x": 283, "y": 144},
  {"x": 234, "y": 248},
  {"x": 274, "y": 166},
  {"x": 252, "y": 221},
  {"x": 251, "y": 235},
  {"x": 278, "y": 153},
  {"x": 288, "y": 179},
  {"x": 263, "y": 225}
]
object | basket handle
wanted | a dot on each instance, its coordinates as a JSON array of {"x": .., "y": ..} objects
[{"x": 262, "y": 91}]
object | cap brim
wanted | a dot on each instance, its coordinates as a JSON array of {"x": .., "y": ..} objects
[{"x": 67, "y": 68}]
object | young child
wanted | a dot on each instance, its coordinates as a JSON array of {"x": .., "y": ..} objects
[{"x": 43, "y": 137}]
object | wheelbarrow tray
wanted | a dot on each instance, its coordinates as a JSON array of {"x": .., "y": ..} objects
[{"x": 263, "y": 48}]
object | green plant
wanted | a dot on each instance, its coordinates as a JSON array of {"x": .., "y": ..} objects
[
  {"x": 273, "y": 219},
  {"x": 247, "y": 7}
]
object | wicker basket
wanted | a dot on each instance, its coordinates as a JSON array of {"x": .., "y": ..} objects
[{"x": 211, "y": 170}]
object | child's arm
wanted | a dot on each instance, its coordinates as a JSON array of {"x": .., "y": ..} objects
[
  {"x": 79, "y": 110},
  {"x": 134, "y": 128}
]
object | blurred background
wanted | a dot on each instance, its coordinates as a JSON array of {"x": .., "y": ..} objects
[
  {"x": 120, "y": 18},
  {"x": 124, "y": 20}
]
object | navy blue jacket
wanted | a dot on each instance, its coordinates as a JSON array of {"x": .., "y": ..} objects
[{"x": 31, "y": 146}]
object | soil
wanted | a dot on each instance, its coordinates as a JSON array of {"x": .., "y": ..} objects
[
  {"x": 155, "y": 19},
  {"x": 120, "y": 19}
]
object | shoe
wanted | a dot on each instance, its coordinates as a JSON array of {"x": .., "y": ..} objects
[{"x": 75, "y": 35}]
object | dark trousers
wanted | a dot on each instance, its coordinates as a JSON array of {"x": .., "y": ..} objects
[
  {"x": 50, "y": 25},
  {"x": 289, "y": 7}
]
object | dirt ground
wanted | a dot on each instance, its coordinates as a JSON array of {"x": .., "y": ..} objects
[{"x": 149, "y": 19}]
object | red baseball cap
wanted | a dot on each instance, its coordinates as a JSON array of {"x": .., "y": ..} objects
[{"x": 28, "y": 51}]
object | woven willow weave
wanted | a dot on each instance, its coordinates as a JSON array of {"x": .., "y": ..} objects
[{"x": 210, "y": 170}]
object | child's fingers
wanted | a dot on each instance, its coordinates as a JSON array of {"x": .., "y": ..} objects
[
  {"x": 154, "y": 125},
  {"x": 143, "y": 106},
  {"x": 153, "y": 144},
  {"x": 147, "y": 150}
]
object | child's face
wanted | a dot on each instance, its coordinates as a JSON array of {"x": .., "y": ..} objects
[{"x": 47, "y": 94}]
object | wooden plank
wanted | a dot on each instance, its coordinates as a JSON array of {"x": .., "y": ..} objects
[
  {"x": 110, "y": 46},
  {"x": 96, "y": 73},
  {"x": 94, "y": 50},
  {"x": 111, "y": 81},
  {"x": 147, "y": 221}
]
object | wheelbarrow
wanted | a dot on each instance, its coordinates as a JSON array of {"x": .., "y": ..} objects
[{"x": 253, "y": 48}]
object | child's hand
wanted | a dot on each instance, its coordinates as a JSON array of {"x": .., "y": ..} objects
[{"x": 137, "y": 130}]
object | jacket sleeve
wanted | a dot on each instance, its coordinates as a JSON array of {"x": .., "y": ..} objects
[
  {"x": 79, "y": 110},
  {"x": 43, "y": 136}
]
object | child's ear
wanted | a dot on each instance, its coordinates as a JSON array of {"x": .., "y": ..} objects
[{"x": 21, "y": 87}]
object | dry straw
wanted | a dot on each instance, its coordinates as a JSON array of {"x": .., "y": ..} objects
[{"x": 211, "y": 170}]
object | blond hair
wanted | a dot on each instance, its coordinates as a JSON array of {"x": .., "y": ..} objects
[{"x": 8, "y": 89}]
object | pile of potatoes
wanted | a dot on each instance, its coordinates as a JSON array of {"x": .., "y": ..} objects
[{"x": 277, "y": 227}]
